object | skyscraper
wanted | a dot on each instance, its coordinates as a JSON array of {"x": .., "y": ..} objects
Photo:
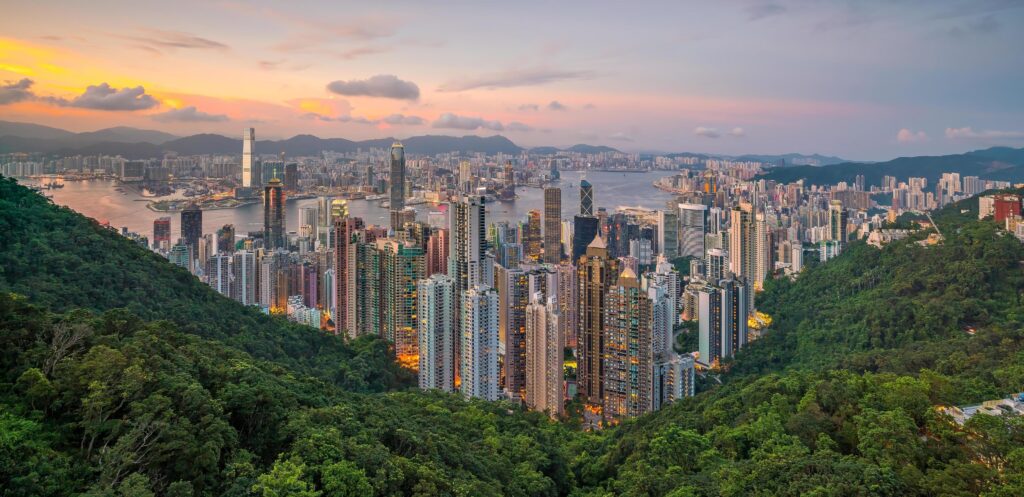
[
  {"x": 467, "y": 233},
  {"x": 243, "y": 269},
  {"x": 533, "y": 238},
  {"x": 544, "y": 349},
  {"x": 291, "y": 177},
  {"x": 192, "y": 228},
  {"x": 226, "y": 239},
  {"x": 273, "y": 215},
  {"x": 668, "y": 231},
  {"x": 628, "y": 365},
  {"x": 673, "y": 379},
  {"x": 596, "y": 273},
  {"x": 344, "y": 258},
  {"x": 162, "y": 233},
  {"x": 722, "y": 317},
  {"x": 586, "y": 198},
  {"x": 218, "y": 272},
  {"x": 479, "y": 349},
  {"x": 436, "y": 328},
  {"x": 552, "y": 225},
  {"x": 402, "y": 266},
  {"x": 250, "y": 174},
  {"x": 837, "y": 221},
  {"x": 513, "y": 286},
  {"x": 585, "y": 228},
  {"x": 397, "y": 181},
  {"x": 693, "y": 221}
]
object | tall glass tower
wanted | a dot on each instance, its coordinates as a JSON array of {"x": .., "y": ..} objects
[
  {"x": 397, "y": 181},
  {"x": 250, "y": 176}
]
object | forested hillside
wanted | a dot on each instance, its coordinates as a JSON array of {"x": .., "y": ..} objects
[{"x": 120, "y": 375}]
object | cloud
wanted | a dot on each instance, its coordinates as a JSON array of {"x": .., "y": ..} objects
[
  {"x": 514, "y": 78},
  {"x": 157, "y": 39},
  {"x": 529, "y": 107},
  {"x": 989, "y": 134},
  {"x": 189, "y": 114},
  {"x": 338, "y": 119},
  {"x": 762, "y": 10},
  {"x": 556, "y": 105},
  {"x": 706, "y": 132},
  {"x": 16, "y": 91},
  {"x": 453, "y": 121},
  {"x": 381, "y": 85},
  {"x": 620, "y": 136},
  {"x": 738, "y": 132},
  {"x": 589, "y": 106},
  {"x": 273, "y": 65},
  {"x": 983, "y": 26},
  {"x": 518, "y": 126},
  {"x": 905, "y": 135},
  {"x": 355, "y": 53},
  {"x": 403, "y": 119},
  {"x": 105, "y": 97}
]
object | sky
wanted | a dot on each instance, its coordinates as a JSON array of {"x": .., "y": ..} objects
[{"x": 861, "y": 79}]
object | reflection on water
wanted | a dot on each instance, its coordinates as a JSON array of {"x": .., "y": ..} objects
[{"x": 101, "y": 200}]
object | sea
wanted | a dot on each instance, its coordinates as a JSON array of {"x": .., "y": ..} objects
[{"x": 106, "y": 202}]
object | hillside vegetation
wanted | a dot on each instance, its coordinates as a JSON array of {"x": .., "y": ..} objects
[{"x": 121, "y": 375}]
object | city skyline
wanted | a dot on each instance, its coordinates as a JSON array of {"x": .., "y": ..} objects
[{"x": 880, "y": 80}]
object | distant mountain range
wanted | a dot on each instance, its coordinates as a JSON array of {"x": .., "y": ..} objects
[
  {"x": 136, "y": 143},
  {"x": 996, "y": 163}
]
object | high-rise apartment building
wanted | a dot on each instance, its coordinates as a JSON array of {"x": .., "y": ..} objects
[
  {"x": 668, "y": 231},
  {"x": 722, "y": 317},
  {"x": 513, "y": 286},
  {"x": 437, "y": 252},
  {"x": 837, "y": 221},
  {"x": 693, "y": 224},
  {"x": 402, "y": 266},
  {"x": 629, "y": 360},
  {"x": 226, "y": 239},
  {"x": 218, "y": 273},
  {"x": 436, "y": 329},
  {"x": 532, "y": 240},
  {"x": 596, "y": 273},
  {"x": 478, "y": 356},
  {"x": 243, "y": 269},
  {"x": 544, "y": 350}
]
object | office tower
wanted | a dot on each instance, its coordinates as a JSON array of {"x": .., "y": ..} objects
[
  {"x": 673, "y": 379},
  {"x": 796, "y": 257},
  {"x": 693, "y": 221},
  {"x": 585, "y": 228},
  {"x": 837, "y": 221},
  {"x": 226, "y": 239},
  {"x": 743, "y": 247},
  {"x": 513, "y": 286},
  {"x": 722, "y": 317},
  {"x": 271, "y": 170},
  {"x": 668, "y": 232},
  {"x": 274, "y": 215},
  {"x": 250, "y": 174},
  {"x": 402, "y": 265},
  {"x": 586, "y": 199},
  {"x": 478, "y": 356},
  {"x": 308, "y": 219},
  {"x": 437, "y": 252},
  {"x": 596, "y": 273},
  {"x": 344, "y": 258},
  {"x": 397, "y": 180},
  {"x": 619, "y": 235},
  {"x": 545, "y": 344},
  {"x": 162, "y": 233},
  {"x": 218, "y": 272},
  {"x": 552, "y": 225},
  {"x": 273, "y": 282},
  {"x": 436, "y": 329},
  {"x": 179, "y": 254},
  {"x": 628, "y": 367},
  {"x": 291, "y": 177},
  {"x": 243, "y": 269},
  {"x": 192, "y": 228},
  {"x": 532, "y": 239},
  {"x": 467, "y": 233}
]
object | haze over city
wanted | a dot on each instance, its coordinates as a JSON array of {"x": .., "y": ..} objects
[{"x": 862, "y": 80}]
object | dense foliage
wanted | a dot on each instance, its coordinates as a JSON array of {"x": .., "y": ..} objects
[{"x": 103, "y": 395}]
